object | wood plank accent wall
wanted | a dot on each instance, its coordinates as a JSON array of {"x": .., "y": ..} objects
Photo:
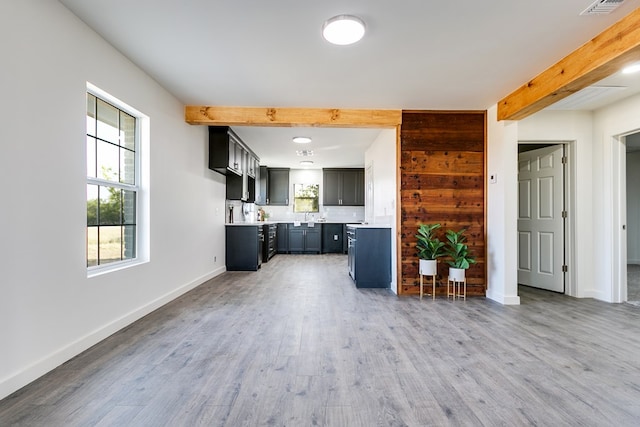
[{"x": 442, "y": 180}]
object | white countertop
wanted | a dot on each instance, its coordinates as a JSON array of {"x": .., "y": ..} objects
[
  {"x": 287, "y": 222},
  {"x": 357, "y": 225}
]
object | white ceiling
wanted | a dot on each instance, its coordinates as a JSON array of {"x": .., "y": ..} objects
[{"x": 458, "y": 54}]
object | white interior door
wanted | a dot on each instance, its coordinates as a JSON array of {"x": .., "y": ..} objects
[{"x": 540, "y": 222}]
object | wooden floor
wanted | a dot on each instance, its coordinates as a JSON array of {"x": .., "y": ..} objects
[{"x": 296, "y": 344}]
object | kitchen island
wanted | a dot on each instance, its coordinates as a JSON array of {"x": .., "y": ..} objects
[{"x": 369, "y": 255}]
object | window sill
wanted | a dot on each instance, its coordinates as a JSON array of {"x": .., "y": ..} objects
[{"x": 110, "y": 268}]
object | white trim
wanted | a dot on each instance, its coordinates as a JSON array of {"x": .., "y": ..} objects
[
  {"x": 618, "y": 212},
  {"x": 35, "y": 370},
  {"x": 501, "y": 298}
]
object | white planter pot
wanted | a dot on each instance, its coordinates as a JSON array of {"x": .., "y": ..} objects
[
  {"x": 456, "y": 274},
  {"x": 428, "y": 267}
]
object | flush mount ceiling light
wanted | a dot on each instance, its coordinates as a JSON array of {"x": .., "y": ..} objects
[
  {"x": 633, "y": 68},
  {"x": 306, "y": 163},
  {"x": 301, "y": 139},
  {"x": 343, "y": 29}
]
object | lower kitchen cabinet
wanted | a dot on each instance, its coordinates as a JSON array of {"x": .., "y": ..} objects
[
  {"x": 369, "y": 256},
  {"x": 305, "y": 239},
  {"x": 243, "y": 247},
  {"x": 282, "y": 238},
  {"x": 270, "y": 241},
  {"x": 333, "y": 239}
]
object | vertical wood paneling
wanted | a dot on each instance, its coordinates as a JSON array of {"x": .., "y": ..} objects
[{"x": 442, "y": 176}]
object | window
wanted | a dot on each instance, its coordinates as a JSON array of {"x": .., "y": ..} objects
[
  {"x": 306, "y": 198},
  {"x": 112, "y": 183}
]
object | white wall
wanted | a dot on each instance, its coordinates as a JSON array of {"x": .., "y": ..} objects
[
  {"x": 49, "y": 309},
  {"x": 633, "y": 208},
  {"x": 381, "y": 157},
  {"x": 502, "y": 155},
  {"x": 609, "y": 123}
]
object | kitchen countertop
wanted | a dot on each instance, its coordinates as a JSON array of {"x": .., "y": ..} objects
[
  {"x": 289, "y": 222},
  {"x": 368, "y": 225}
]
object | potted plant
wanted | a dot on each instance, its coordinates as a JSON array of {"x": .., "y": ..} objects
[
  {"x": 430, "y": 248},
  {"x": 458, "y": 250}
]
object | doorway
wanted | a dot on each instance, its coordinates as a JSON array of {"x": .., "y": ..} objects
[
  {"x": 632, "y": 175},
  {"x": 542, "y": 216}
]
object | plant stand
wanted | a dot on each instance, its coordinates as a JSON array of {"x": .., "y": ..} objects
[
  {"x": 429, "y": 268},
  {"x": 454, "y": 286},
  {"x": 433, "y": 285}
]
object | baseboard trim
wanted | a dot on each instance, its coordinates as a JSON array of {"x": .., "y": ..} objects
[
  {"x": 16, "y": 381},
  {"x": 504, "y": 300}
]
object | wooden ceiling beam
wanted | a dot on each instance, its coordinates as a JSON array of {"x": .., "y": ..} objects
[
  {"x": 602, "y": 56},
  {"x": 289, "y": 117}
]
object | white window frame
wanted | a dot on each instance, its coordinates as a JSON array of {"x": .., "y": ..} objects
[{"x": 141, "y": 208}]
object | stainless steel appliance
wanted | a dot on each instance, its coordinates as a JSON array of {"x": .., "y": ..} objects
[{"x": 351, "y": 251}]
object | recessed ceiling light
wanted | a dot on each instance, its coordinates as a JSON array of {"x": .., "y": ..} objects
[
  {"x": 301, "y": 139},
  {"x": 343, "y": 29},
  {"x": 306, "y": 163},
  {"x": 633, "y": 68}
]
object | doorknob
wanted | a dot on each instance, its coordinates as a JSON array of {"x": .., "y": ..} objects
[{"x": 624, "y": 226}]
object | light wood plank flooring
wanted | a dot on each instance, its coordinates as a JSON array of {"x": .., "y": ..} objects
[
  {"x": 296, "y": 344},
  {"x": 633, "y": 283}
]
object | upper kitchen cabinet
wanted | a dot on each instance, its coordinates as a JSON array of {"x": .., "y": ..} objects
[
  {"x": 261, "y": 186},
  {"x": 343, "y": 187},
  {"x": 252, "y": 166},
  {"x": 226, "y": 152},
  {"x": 229, "y": 156},
  {"x": 277, "y": 186}
]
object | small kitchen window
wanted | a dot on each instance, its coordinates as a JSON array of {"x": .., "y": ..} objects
[{"x": 306, "y": 198}]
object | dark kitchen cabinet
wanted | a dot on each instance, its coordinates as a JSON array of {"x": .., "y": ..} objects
[
  {"x": 241, "y": 188},
  {"x": 369, "y": 256},
  {"x": 282, "y": 238},
  {"x": 332, "y": 238},
  {"x": 269, "y": 248},
  {"x": 226, "y": 152},
  {"x": 229, "y": 156},
  {"x": 305, "y": 239},
  {"x": 273, "y": 186},
  {"x": 343, "y": 187},
  {"x": 261, "y": 186},
  {"x": 278, "y": 186},
  {"x": 243, "y": 247}
]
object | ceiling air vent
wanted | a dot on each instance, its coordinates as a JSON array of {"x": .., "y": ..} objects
[
  {"x": 602, "y": 7},
  {"x": 304, "y": 153}
]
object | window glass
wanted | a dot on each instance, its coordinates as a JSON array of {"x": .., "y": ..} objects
[
  {"x": 112, "y": 187},
  {"x": 107, "y": 126},
  {"x": 306, "y": 198}
]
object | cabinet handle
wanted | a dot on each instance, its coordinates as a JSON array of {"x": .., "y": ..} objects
[{"x": 235, "y": 165}]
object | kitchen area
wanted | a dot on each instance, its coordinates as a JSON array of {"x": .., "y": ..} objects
[{"x": 281, "y": 211}]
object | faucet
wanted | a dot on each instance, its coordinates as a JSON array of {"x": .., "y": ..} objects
[{"x": 305, "y": 216}]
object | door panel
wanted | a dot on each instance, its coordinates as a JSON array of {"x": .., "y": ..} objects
[
  {"x": 540, "y": 222},
  {"x": 524, "y": 252}
]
